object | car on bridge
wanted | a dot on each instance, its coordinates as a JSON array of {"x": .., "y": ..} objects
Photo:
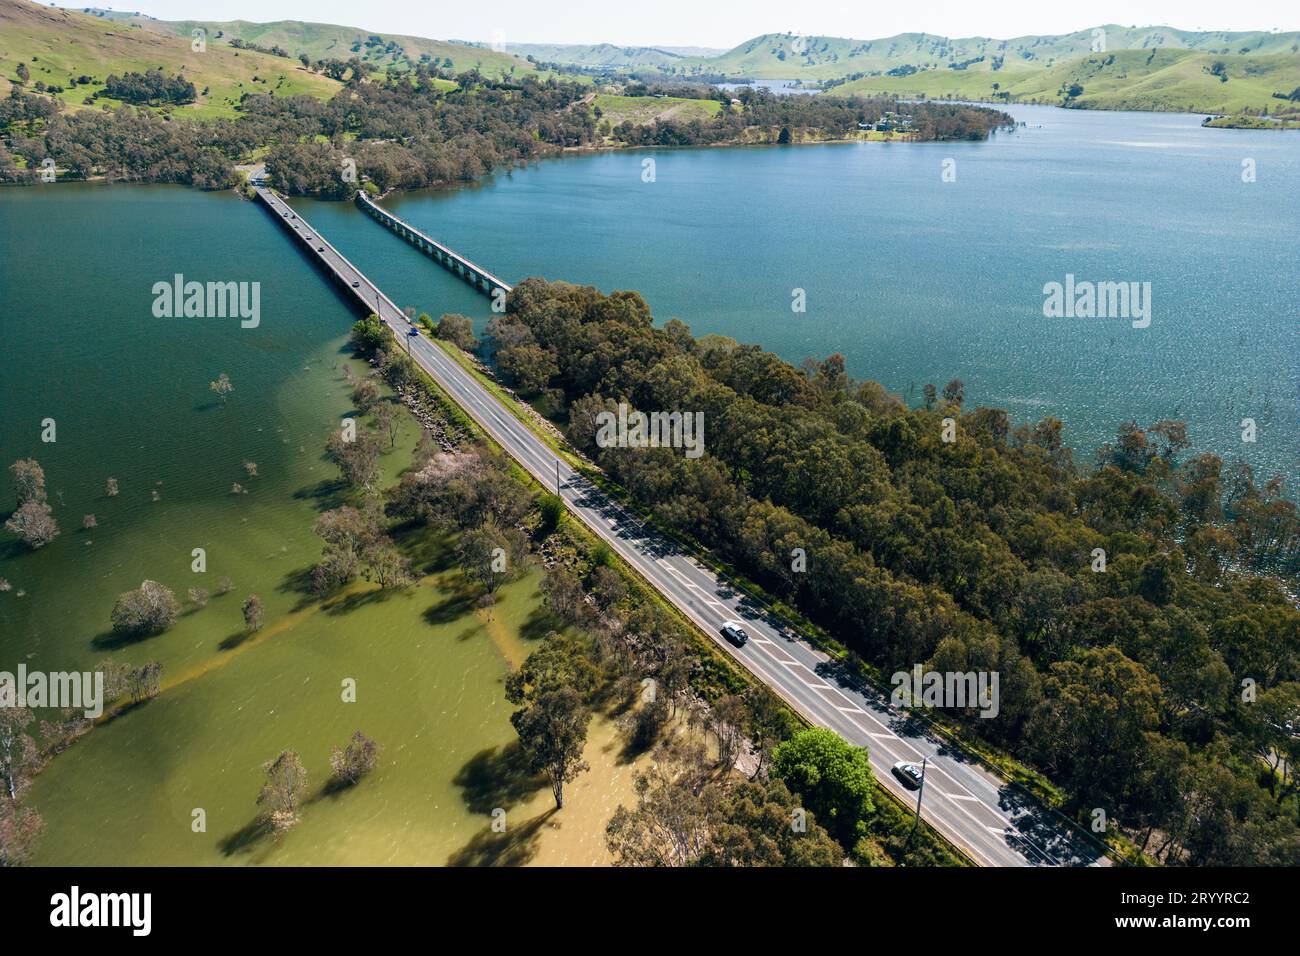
[
  {"x": 413, "y": 331},
  {"x": 734, "y": 632}
]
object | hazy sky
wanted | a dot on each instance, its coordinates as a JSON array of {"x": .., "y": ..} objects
[{"x": 691, "y": 22}]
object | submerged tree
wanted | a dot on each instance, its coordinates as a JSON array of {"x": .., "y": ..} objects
[
  {"x": 282, "y": 794},
  {"x": 149, "y": 609},
  {"x": 357, "y": 457},
  {"x": 346, "y": 532},
  {"x": 384, "y": 564},
  {"x": 34, "y": 523},
  {"x": 29, "y": 478},
  {"x": 144, "y": 682},
  {"x": 20, "y": 758},
  {"x": 485, "y": 555},
  {"x": 552, "y": 730},
  {"x": 365, "y": 396},
  {"x": 253, "y": 613},
  {"x": 352, "y": 763},
  {"x": 388, "y": 422},
  {"x": 222, "y": 386}
]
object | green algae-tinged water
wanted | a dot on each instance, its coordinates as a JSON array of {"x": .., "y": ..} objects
[{"x": 129, "y": 395}]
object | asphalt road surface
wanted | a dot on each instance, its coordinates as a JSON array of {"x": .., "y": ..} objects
[{"x": 994, "y": 823}]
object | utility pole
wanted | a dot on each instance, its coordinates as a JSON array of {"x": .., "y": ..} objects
[
  {"x": 557, "y": 476},
  {"x": 919, "y": 794}
]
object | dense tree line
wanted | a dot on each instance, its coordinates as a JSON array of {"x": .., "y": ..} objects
[
  {"x": 129, "y": 144},
  {"x": 766, "y": 117},
  {"x": 239, "y": 44},
  {"x": 403, "y": 130},
  {"x": 1140, "y": 613},
  {"x": 408, "y": 134},
  {"x": 150, "y": 88}
]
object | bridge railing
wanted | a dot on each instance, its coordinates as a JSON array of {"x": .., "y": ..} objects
[{"x": 466, "y": 264}]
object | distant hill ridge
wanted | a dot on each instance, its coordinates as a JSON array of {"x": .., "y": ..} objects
[
  {"x": 1104, "y": 67},
  {"x": 768, "y": 56},
  {"x": 791, "y": 56},
  {"x": 335, "y": 41},
  {"x": 609, "y": 54}
]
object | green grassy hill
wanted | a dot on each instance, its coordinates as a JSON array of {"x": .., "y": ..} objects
[
  {"x": 608, "y": 55},
  {"x": 1157, "y": 79},
  {"x": 331, "y": 41},
  {"x": 59, "y": 46},
  {"x": 789, "y": 56},
  {"x": 1150, "y": 68}
]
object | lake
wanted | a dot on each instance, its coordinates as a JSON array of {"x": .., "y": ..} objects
[{"x": 914, "y": 279}]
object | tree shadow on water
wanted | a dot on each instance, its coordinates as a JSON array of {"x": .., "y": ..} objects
[
  {"x": 246, "y": 839},
  {"x": 113, "y": 641},
  {"x": 299, "y": 582},
  {"x": 540, "y": 622},
  {"x": 497, "y": 777},
  {"x": 234, "y": 640},
  {"x": 515, "y": 847},
  {"x": 428, "y": 550},
  {"x": 326, "y": 494},
  {"x": 349, "y": 601},
  {"x": 459, "y": 602},
  {"x": 11, "y": 550}
]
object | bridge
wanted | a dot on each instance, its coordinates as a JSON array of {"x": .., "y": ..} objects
[
  {"x": 448, "y": 258},
  {"x": 365, "y": 293},
  {"x": 990, "y": 819}
]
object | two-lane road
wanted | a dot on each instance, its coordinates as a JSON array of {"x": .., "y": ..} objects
[{"x": 996, "y": 824}]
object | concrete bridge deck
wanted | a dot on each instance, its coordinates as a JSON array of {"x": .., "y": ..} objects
[{"x": 365, "y": 292}]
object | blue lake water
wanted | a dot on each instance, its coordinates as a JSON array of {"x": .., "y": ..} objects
[{"x": 914, "y": 279}]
